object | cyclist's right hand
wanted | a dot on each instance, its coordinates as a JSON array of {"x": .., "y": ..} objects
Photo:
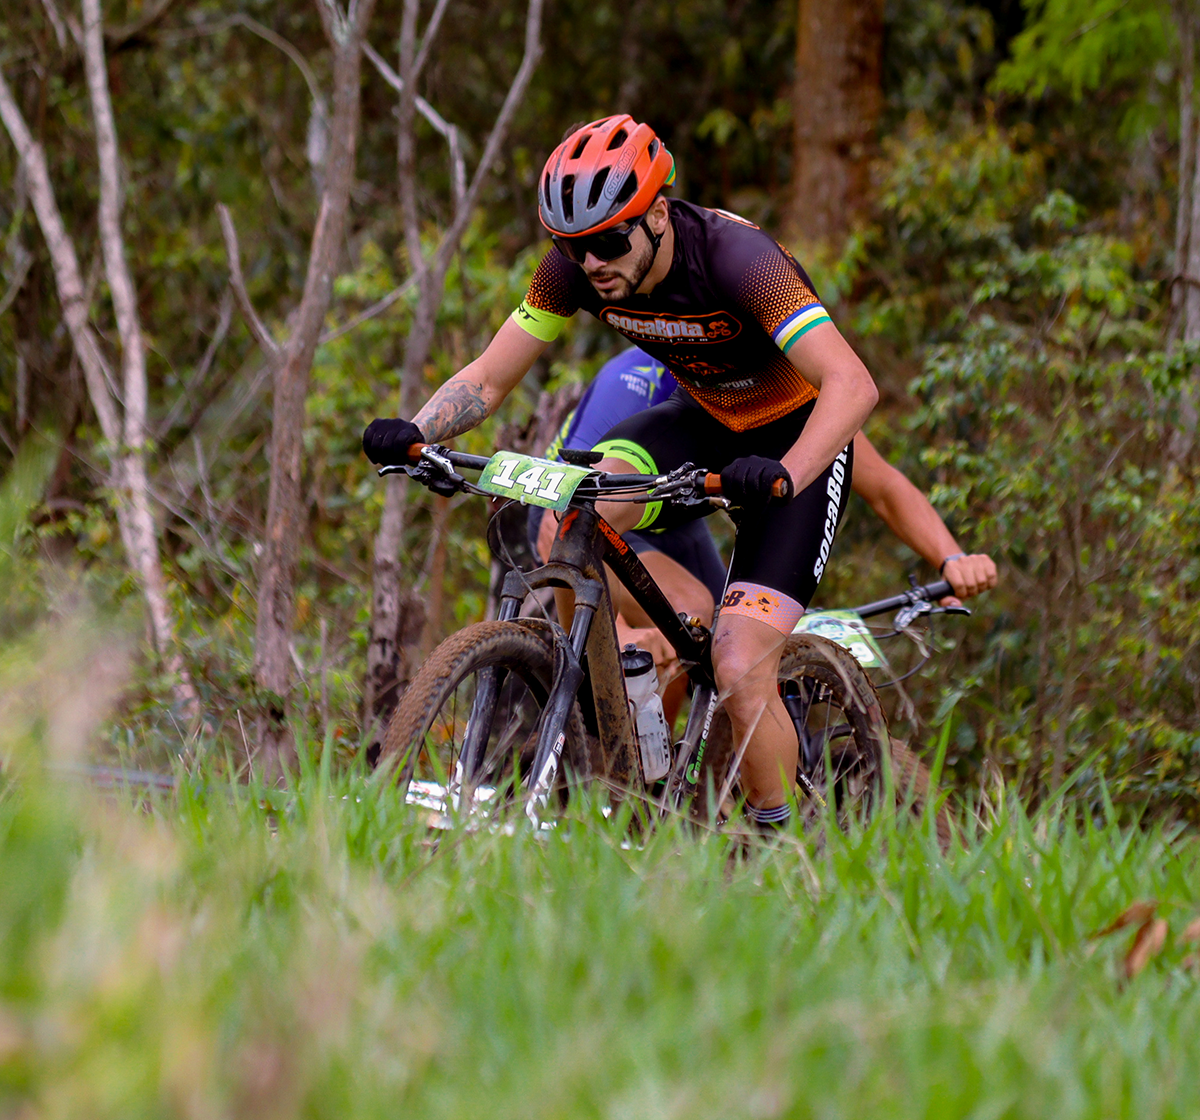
[
  {"x": 754, "y": 482},
  {"x": 969, "y": 575},
  {"x": 386, "y": 442}
]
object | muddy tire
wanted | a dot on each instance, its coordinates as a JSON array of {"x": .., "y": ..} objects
[{"x": 425, "y": 735}]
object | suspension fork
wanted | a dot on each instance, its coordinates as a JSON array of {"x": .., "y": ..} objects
[
  {"x": 568, "y": 676},
  {"x": 483, "y": 712}
]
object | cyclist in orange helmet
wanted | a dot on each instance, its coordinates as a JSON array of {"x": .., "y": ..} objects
[{"x": 770, "y": 396}]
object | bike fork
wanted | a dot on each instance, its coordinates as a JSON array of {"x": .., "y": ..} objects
[{"x": 568, "y": 676}]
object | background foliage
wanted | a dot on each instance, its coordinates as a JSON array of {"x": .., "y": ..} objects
[{"x": 1009, "y": 290}]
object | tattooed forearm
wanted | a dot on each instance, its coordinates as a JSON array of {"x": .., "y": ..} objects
[{"x": 455, "y": 408}]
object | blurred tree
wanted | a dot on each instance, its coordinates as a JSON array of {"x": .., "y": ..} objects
[
  {"x": 835, "y": 108},
  {"x": 334, "y": 157}
]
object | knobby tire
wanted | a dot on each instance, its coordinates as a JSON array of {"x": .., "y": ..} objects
[{"x": 524, "y": 650}]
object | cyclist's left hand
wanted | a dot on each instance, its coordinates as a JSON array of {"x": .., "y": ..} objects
[
  {"x": 969, "y": 575},
  {"x": 386, "y": 441},
  {"x": 748, "y": 482}
]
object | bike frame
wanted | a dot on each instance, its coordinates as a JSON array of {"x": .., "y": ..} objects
[{"x": 582, "y": 545}]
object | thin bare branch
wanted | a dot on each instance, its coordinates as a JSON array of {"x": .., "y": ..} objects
[
  {"x": 431, "y": 30},
  {"x": 196, "y": 381},
  {"x": 529, "y": 61},
  {"x": 56, "y": 21},
  {"x": 406, "y": 141},
  {"x": 120, "y": 35},
  {"x": 23, "y": 262},
  {"x": 377, "y": 308},
  {"x": 333, "y": 21},
  {"x": 120, "y": 280},
  {"x": 258, "y": 328},
  {"x": 276, "y": 40},
  {"x": 138, "y": 530},
  {"x": 458, "y": 166}
]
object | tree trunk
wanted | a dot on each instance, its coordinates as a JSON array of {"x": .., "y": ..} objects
[
  {"x": 1186, "y": 294},
  {"x": 285, "y": 514},
  {"x": 142, "y": 534},
  {"x": 1186, "y": 28},
  {"x": 836, "y": 105}
]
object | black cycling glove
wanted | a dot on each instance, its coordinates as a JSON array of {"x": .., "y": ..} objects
[
  {"x": 386, "y": 442},
  {"x": 747, "y": 482}
]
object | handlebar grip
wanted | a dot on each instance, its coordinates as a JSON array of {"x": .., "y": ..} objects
[
  {"x": 712, "y": 486},
  {"x": 939, "y": 590},
  {"x": 414, "y": 451}
]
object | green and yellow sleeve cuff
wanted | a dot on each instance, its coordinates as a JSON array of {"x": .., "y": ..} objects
[{"x": 541, "y": 324}]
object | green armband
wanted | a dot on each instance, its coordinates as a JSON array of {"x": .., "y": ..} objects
[{"x": 541, "y": 324}]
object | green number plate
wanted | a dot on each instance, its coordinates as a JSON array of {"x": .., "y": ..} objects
[
  {"x": 848, "y": 630},
  {"x": 531, "y": 481}
]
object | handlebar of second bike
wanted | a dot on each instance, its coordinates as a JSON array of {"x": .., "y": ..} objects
[{"x": 928, "y": 593}]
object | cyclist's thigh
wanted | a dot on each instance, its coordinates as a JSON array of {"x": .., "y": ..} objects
[
  {"x": 682, "y": 589},
  {"x": 659, "y": 439},
  {"x": 690, "y": 545},
  {"x": 782, "y": 552}
]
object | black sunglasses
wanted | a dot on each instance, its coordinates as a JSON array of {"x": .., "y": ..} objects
[{"x": 607, "y": 245}]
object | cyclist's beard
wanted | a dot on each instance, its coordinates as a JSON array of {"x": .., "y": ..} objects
[{"x": 632, "y": 269}]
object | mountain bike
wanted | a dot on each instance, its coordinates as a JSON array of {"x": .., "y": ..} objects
[{"x": 517, "y": 713}]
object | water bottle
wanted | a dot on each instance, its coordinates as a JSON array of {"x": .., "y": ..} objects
[{"x": 641, "y": 683}]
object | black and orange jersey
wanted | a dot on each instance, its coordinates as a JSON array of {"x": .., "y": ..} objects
[{"x": 722, "y": 320}]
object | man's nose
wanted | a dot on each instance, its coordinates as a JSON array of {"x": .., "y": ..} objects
[{"x": 592, "y": 262}]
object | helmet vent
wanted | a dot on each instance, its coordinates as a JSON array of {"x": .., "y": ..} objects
[
  {"x": 581, "y": 145},
  {"x": 568, "y": 197},
  {"x": 628, "y": 189},
  {"x": 618, "y": 138},
  {"x": 652, "y": 148},
  {"x": 598, "y": 181}
]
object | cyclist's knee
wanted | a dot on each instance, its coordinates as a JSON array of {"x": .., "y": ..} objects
[
  {"x": 745, "y": 661},
  {"x": 622, "y": 516}
]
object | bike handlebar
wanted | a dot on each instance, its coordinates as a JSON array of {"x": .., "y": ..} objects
[
  {"x": 929, "y": 593},
  {"x": 456, "y": 458},
  {"x": 712, "y": 486},
  {"x": 706, "y": 484}
]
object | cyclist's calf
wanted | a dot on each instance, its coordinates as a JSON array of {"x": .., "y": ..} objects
[{"x": 746, "y": 655}]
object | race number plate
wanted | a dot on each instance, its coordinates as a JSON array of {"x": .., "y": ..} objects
[
  {"x": 533, "y": 482},
  {"x": 847, "y": 630}
]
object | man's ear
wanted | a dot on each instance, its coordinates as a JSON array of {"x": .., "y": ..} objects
[{"x": 658, "y": 215}]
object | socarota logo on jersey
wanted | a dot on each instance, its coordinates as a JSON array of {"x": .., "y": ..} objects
[{"x": 718, "y": 326}]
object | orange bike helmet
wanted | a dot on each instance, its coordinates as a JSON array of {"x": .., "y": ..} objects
[{"x": 602, "y": 175}]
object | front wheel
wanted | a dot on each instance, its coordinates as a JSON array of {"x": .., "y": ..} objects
[{"x": 507, "y": 670}]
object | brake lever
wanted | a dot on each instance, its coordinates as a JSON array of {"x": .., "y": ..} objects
[
  {"x": 906, "y": 616},
  {"x": 434, "y": 470}
]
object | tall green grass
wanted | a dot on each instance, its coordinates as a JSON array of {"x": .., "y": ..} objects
[{"x": 315, "y": 951}]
